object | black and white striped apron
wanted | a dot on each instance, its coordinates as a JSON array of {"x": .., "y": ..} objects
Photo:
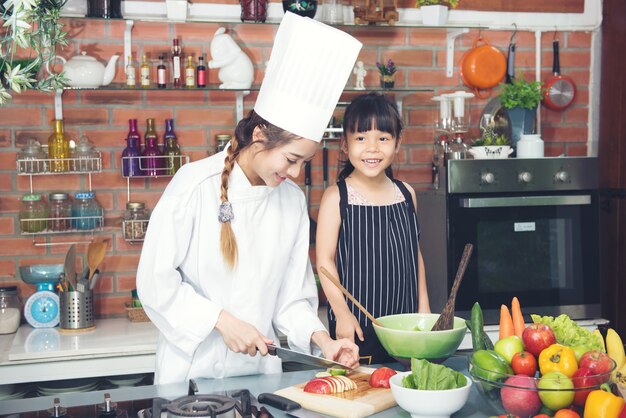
[{"x": 377, "y": 263}]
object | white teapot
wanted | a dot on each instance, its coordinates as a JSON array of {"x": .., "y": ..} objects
[{"x": 87, "y": 72}]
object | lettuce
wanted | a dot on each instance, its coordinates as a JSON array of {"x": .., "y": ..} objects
[
  {"x": 569, "y": 333},
  {"x": 429, "y": 376}
]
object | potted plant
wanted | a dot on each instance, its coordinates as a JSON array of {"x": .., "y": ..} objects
[
  {"x": 435, "y": 12},
  {"x": 491, "y": 145},
  {"x": 32, "y": 33},
  {"x": 387, "y": 73},
  {"x": 520, "y": 98}
]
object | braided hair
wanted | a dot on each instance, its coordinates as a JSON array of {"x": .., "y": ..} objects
[{"x": 274, "y": 137}]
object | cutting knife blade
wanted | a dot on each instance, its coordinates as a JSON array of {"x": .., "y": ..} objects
[
  {"x": 290, "y": 407},
  {"x": 295, "y": 356}
]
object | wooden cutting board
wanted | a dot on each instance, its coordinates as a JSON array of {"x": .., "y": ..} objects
[{"x": 362, "y": 402}]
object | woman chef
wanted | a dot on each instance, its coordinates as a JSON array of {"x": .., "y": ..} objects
[{"x": 225, "y": 258}]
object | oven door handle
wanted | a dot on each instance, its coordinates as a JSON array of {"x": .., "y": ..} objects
[{"x": 521, "y": 201}]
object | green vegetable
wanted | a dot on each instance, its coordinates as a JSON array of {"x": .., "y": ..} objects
[
  {"x": 477, "y": 327},
  {"x": 568, "y": 333},
  {"x": 429, "y": 376},
  {"x": 491, "y": 366},
  {"x": 336, "y": 371}
]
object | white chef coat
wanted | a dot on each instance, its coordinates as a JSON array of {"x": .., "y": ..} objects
[{"x": 183, "y": 282}]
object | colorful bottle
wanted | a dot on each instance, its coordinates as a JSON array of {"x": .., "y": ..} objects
[
  {"x": 190, "y": 73},
  {"x": 176, "y": 64},
  {"x": 58, "y": 148},
  {"x": 131, "y": 164},
  {"x": 201, "y": 73},
  {"x": 131, "y": 76},
  {"x": 171, "y": 149},
  {"x": 161, "y": 75},
  {"x": 152, "y": 163},
  {"x": 145, "y": 73}
]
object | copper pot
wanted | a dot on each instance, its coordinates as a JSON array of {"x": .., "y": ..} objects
[{"x": 482, "y": 67}]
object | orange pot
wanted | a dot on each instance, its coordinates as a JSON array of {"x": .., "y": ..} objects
[{"x": 482, "y": 67}]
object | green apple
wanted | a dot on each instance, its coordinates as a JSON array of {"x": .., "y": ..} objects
[
  {"x": 508, "y": 346},
  {"x": 558, "y": 396}
]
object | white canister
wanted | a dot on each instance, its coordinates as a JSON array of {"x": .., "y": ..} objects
[{"x": 530, "y": 146}]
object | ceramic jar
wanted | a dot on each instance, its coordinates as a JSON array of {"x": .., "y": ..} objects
[{"x": 530, "y": 146}]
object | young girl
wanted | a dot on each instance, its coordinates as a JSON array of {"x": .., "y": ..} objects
[
  {"x": 225, "y": 265},
  {"x": 367, "y": 229}
]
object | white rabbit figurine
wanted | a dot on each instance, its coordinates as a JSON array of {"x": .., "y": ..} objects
[{"x": 236, "y": 71}]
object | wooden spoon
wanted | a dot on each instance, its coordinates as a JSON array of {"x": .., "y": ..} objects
[
  {"x": 95, "y": 255},
  {"x": 335, "y": 281},
  {"x": 447, "y": 314}
]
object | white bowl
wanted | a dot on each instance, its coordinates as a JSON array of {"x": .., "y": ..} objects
[{"x": 428, "y": 403}]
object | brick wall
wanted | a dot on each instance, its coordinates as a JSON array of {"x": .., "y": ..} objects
[{"x": 199, "y": 115}]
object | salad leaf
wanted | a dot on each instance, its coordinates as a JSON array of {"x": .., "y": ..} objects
[
  {"x": 569, "y": 333},
  {"x": 429, "y": 376}
]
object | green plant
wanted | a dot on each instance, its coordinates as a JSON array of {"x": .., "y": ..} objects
[
  {"x": 521, "y": 93},
  {"x": 386, "y": 69},
  {"x": 450, "y": 3},
  {"x": 490, "y": 137},
  {"x": 32, "y": 32}
]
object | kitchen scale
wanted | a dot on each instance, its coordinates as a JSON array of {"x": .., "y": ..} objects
[{"x": 41, "y": 309}]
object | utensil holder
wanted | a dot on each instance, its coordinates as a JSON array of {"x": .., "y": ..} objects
[{"x": 76, "y": 310}]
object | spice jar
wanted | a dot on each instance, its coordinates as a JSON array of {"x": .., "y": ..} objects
[
  {"x": 85, "y": 156},
  {"x": 10, "y": 310},
  {"x": 33, "y": 213},
  {"x": 86, "y": 211},
  {"x": 221, "y": 140},
  {"x": 135, "y": 221},
  {"x": 60, "y": 212},
  {"x": 32, "y": 158}
]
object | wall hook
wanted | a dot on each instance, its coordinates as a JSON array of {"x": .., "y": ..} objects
[
  {"x": 514, "y": 33},
  {"x": 555, "y": 31}
]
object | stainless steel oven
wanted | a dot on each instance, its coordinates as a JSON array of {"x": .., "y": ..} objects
[{"x": 534, "y": 226}]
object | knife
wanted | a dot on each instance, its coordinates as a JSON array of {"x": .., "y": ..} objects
[
  {"x": 290, "y": 407},
  {"x": 70, "y": 264},
  {"x": 290, "y": 355}
]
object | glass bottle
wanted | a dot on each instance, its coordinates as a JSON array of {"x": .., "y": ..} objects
[
  {"x": 33, "y": 213},
  {"x": 176, "y": 64},
  {"x": 86, "y": 157},
  {"x": 152, "y": 163},
  {"x": 161, "y": 75},
  {"x": 171, "y": 149},
  {"x": 10, "y": 309},
  {"x": 135, "y": 221},
  {"x": 60, "y": 212},
  {"x": 131, "y": 165},
  {"x": 32, "y": 158},
  {"x": 221, "y": 140},
  {"x": 58, "y": 148},
  {"x": 144, "y": 73},
  {"x": 131, "y": 73},
  {"x": 201, "y": 73},
  {"x": 86, "y": 211},
  {"x": 190, "y": 73}
]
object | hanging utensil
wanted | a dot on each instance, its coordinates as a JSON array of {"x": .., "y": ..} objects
[
  {"x": 336, "y": 282},
  {"x": 482, "y": 67},
  {"x": 95, "y": 255},
  {"x": 560, "y": 89},
  {"x": 447, "y": 313},
  {"x": 69, "y": 265}
]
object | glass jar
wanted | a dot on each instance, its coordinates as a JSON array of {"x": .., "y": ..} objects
[
  {"x": 135, "y": 221},
  {"x": 32, "y": 158},
  {"x": 85, "y": 156},
  {"x": 33, "y": 213},
  {"x": 86, "y": 211},
  {"x": 60, "y": 212},
  {"x": 221, "y": 140},
  {"x": 10, "y": 310}
]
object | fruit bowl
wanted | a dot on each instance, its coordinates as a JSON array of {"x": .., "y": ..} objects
[
  {"x": 406, "y": 336},
  {"x": 428, "y": 403},
  {"x": 41, "y": 273},
  {"x": 524, "y": 396}
]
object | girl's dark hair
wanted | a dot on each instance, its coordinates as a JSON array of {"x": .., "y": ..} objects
[
  {"x": 275, "y": 137},
  {"x": 366, "y": 112}
]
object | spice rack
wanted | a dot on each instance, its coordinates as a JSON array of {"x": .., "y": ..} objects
[
  {"x": 43, "y": 226},
  {"x": 134, "y": 230}
]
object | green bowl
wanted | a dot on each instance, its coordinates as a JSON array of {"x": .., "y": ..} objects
[{"x": 403, "y": 339}]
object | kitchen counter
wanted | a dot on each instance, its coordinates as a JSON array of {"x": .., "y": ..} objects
[{"x": 475, "y": 407}]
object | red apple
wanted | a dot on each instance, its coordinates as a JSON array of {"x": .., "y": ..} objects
[
  {"x": 536, "y": 337},
  {"x": 520, "y": 397},
  {"x": 380, "y": 377},
  {"x": 597, "y": 361},
  {"x": 584, "y": 377},
  {"x": 318, "y": 385},
  {"x": 524, "y": 363}
]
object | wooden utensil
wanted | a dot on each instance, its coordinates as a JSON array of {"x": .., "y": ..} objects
[
  {"x": 447, "y": 314},
  {"x": 95, "y": 255},
  {"x": 335, "y": 281}
]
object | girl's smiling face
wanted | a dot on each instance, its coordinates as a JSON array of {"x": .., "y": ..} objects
[{"x": 371, "y": 152}]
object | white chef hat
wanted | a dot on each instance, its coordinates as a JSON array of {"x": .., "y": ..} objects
[{"x": 307, "y": 71}]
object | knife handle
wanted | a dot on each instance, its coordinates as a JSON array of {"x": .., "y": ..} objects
[{"x": 278, "y": 401}]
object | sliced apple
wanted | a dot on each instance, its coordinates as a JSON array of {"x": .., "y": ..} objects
[{"x": 318, "y": 385}]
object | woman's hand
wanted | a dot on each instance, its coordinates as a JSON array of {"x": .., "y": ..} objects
[
  {"x": 241, "y": 336},
  {"x": 341, "y": 350},
  {"x": 347, "y": 326}
]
